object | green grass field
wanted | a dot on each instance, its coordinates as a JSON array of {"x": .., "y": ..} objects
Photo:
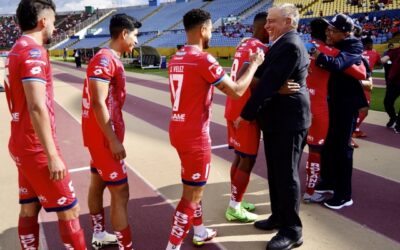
[{"x": 378, "y": 94}]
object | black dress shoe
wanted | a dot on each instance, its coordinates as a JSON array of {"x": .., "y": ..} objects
[
  {"x": 268, "y": 224},
  {"x": 281, "y": 242}
]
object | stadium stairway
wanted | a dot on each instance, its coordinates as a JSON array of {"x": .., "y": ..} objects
[
  {"x": 306, "y": 7},
  {"x": 152, "y": 13},
  {"x": 253, "y": 9},
  {"x": 172, "y": 27},
  {"x": 89, "y": 23}
]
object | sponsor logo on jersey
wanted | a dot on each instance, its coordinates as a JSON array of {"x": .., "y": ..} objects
[
  {"x": 104, "y": 62},
  {"x": 180, "y": 53},
  {"x": 61, "y": 201},
  {"x": 35, "y": 61},
  {"x": 35, "y": 53},
  {"x": 178, "y": 117},
  {"x": 15, "y": 116},
  {"x": 211, "y": 59}
]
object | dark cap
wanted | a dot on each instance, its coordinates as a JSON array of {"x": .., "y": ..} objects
[{"x": 342, "y": 22}]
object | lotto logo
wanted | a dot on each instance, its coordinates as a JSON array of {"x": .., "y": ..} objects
[
  {"x": 36, "y": 70},
  {"x": 97, "y": 72},
  {"x": 196, "y": 176},
  {"x": 42, "y": 199},
  {"x": 113, "y": 175},
  {"x": 61, "y": 201},
  {"x": 68, "y": 246}
]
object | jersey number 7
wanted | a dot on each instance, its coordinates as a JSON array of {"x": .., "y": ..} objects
[{"x": 176, "y": 82}]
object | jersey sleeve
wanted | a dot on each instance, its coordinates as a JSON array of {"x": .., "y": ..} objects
[
  {"x": 101, "y": 68},
  {"x": 34, "y": 65},
  {"x": 211, "y": 71}
]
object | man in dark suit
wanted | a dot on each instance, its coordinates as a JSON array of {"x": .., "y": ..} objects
[{"x": 284, "y": 120}]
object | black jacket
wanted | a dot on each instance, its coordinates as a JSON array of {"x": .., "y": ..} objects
[
  {"x": 286, "y": 59},
  {"x": 344, "y": 91}
]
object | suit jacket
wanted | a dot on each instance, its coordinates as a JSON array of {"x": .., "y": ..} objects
[{"x": 286, "y": 59}]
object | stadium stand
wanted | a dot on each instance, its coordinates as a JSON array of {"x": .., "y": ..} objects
[
  {"x": 163, "y": 27},
  {"x": 330, "y": 7}
]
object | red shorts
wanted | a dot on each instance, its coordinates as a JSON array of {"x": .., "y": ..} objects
[
  {"x": 245, "y": 140},
  {"x": 319, "y": 128},
  {"x": 35, "y": 185},
  {"x": 111, "y": 171},
  {"x": 195, "y": 155}
]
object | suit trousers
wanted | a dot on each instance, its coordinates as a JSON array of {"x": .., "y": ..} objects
[{"x": 283, "y": 150}]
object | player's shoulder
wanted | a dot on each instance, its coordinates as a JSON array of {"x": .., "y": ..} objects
[
  {"x": 103, "y": 57},
  {"x": 207, "y": 58}
]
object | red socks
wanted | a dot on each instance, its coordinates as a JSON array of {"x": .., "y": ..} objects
[
  {"x": 182, "y": 221},
  {"x": 98, "y": 222},
  {"x": 28, "y": 231},
  {"x": 313, "y": 169},
  {"x": 233, "y": 171},
  {"x": 360, "y": 119},
  {"x": 72, "y": 234},
  {"x": 124, "y": 239},
  {"x": 198, "y": 215},
  {"x": 239, "y": 185}
]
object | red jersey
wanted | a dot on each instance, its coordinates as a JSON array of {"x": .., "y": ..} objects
[
  {"x": 372, "y": 56},
  {"x": 27, "y": 61},
  {"x": 192, "y": 76},
  {"x": 317, "y": 80},
  {"x": 234, "y": 107},
  {"x": 105, "y": 67}
]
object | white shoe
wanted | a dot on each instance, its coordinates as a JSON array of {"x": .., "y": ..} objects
[
  {"x": 199, "y": 240},
  {"x": 314, "y": 198},
  {"x": 106, "y": 240}
]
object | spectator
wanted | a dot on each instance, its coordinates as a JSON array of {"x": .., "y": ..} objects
[
  {"x": 78, "y": 58},
  {"x": 392, "y": 88}
]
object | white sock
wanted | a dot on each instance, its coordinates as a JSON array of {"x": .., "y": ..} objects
[
  {"x": 100, "y": 235},
  {"x": 200, "y": 230},
  {"x": 234, "y": 204},
  {"x": 170, "y": 246}
]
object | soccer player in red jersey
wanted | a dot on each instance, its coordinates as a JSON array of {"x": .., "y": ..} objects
[
  {"x": 373, "y": 58},
  {"x": 245, "y": 139},
  {"x": 192, "y": 77},
  {"x": 317, "y": 82},
  {"x": 43, "y": 178},
  {"x": 103, "y": 132}
]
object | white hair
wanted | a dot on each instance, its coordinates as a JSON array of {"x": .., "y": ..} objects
[{"x": 291, "y": 11}]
